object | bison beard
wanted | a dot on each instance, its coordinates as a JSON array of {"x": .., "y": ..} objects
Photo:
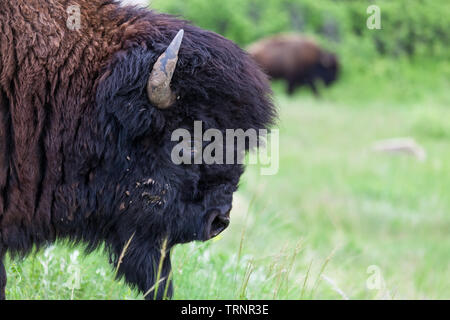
[{"x": 85, "y": 155}]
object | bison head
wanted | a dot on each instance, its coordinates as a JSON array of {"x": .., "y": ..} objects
[
  {"x": 328, "y": 68},
  {"x": 123, "y": 188}
]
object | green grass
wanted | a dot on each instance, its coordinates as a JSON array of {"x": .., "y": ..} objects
[{"x": 334, "y": 209}]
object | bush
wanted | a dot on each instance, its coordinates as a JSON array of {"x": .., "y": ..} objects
[{"x": 409, "y": 28}]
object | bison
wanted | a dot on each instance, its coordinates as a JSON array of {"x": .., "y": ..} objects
[
  {"x": 296, "y": 59},
  {"x": 89, "y": 96}
]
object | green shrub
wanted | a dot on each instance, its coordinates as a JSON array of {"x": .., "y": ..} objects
[{"x": 408, "y": 27}]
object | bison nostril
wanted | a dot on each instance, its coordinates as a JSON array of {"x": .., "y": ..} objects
[
  {"x": 219, "y": 224},
  {"x": 216, "y": 223}
]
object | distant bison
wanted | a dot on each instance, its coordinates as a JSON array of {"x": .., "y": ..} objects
[
  {"x": 89, "y": 97},
  {"x": 296, "y": 59}
]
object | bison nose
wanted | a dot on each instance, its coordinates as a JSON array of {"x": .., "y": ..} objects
[{"x": 217, "y": 220}]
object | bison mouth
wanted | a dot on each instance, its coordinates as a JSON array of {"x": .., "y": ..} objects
[{"x": 216, "y": 223}]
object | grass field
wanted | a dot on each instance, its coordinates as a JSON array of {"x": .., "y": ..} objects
[{"x": 338, "y": 221}]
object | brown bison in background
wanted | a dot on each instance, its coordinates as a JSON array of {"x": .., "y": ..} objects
[{"x": 298, "y": 60}]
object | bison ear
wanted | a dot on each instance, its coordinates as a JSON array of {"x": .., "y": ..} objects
[
  {"x": 158, "y": 86},
  {"x": 121, "y": 98}
]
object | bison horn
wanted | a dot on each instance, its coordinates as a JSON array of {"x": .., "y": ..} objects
[{"x": 158, "y": 86}]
